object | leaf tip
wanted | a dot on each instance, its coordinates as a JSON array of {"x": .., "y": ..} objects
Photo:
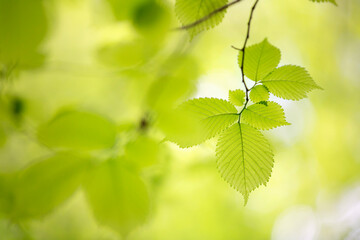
[{"x": 246, "y": 199}]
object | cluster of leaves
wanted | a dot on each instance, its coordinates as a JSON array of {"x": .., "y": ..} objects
[
  {"x": 112, "y": 184},
  {"x": 89, "y": 152},
  {"x": 209, "y": 12},
  {"x": 244, "y": 157}
]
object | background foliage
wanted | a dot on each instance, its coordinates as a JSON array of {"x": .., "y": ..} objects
[{"x": 86, "y": 88}]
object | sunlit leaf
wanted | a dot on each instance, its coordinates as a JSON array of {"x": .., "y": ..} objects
[
  {"x": 263, "y": 116},
  {"x": 290, "y": 82},
  {"x": 189, "y": 11},
  {"x": 200, "y": 119},
  {"x": 244, "y": 158},
  {"x": 118, "y": 197},
  {"x": 259, "y": 93},
  {"x": 78, "y": 130},
  {"x": 237, "y": 97},
  {"x": 43, "y": 186},
  {"x": 260, "y": 60}
]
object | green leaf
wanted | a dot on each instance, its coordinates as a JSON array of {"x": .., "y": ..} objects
[
  {"x": 264, "y": 117},
  {"x": 260, "y": 60},
  {"x": 6, "y": 194},
  {"x": 176, "y": 84},
  {"x": 118, "y": 197},
  {"x": 142, "y": 152},
  {"x": 290, "y": 82},
  {"x": 331, "y": 1},
  {"x": 259, "y": 93},
  {"x": 197, "y": 120},
  {"x": 78, "y": 130},
  {"x": 126, "y": 54},
  {"x": 123, "y": 10},
  {"x": 237, "y": 97},
  {"x": 23, "y": 26},
  {"x": 244, "y": 158},
  {"x": 152, "y": 19},
  {"x": 189, "y": 11},
  {"x": 43, "y": 186},
  {"x": 3, "y": 136}
]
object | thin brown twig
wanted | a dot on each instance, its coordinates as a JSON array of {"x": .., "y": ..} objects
[
  {"x": 243, "y": 57},
  {"x": 203, "y": 19}
]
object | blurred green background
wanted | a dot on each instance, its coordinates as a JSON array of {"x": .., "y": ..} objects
[{"x": 83, "y": 84}]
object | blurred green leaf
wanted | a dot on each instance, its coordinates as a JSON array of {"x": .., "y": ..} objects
[
  {"x": 23, "y": 26},
  {"x": 259, "y": 93},
  {"x": 197, "y": 120},
  {"x": 175, "y": 83},
  {"x": 6, "y": 194},
  {"x": 260, "y": 60},
  {"x": 118, "y": 197},
  {"x": 123, "y": 10},
  {"x": 3, "y": 135},
  {"x": 290, "y": 82},
  {"x": 43, "y": 186},
  {"x": 237, "y": 97},
  {"x": 264, "y": 117},
  {"x": 142, "y": 152},
  {"x": 244, "y": 158},
  {"x": 126, "y": 54},
  {"x": 152, "y": 19},
  {"x": 189, "y": 11},
  {"x": 78, "y": 130}
]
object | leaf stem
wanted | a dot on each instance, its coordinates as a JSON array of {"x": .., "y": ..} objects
[
  {"x": 247, "y": 90},
  {"x": 203, "y": 19}
]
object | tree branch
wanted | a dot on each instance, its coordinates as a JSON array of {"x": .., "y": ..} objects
[
  {"x": 243, "y": 57},
  {"x": 203, "y": 19}
]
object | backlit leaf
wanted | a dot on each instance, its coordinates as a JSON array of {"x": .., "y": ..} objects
[
  {"x": 263, "y": 116},
  {"x": 260, "y": 60},
  {"x": 244, "y": 158},
  {"x": 290, "y": 82},
  {"x": 259, "y": 93},
  {"x": 237, "y": 97},
  {"x": 189, "y": 11},
  {"x": 197, "y": 120}
]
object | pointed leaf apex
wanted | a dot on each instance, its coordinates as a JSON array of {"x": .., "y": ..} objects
[{"x": 246, "y": 199}]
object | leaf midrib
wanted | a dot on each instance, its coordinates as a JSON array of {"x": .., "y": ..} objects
[
  {"x": 258, "y": 64},
  {"x": 221, "y": 114},
  {"x": 281, "y": 80},
  {"x": 243, "y": 158}
]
